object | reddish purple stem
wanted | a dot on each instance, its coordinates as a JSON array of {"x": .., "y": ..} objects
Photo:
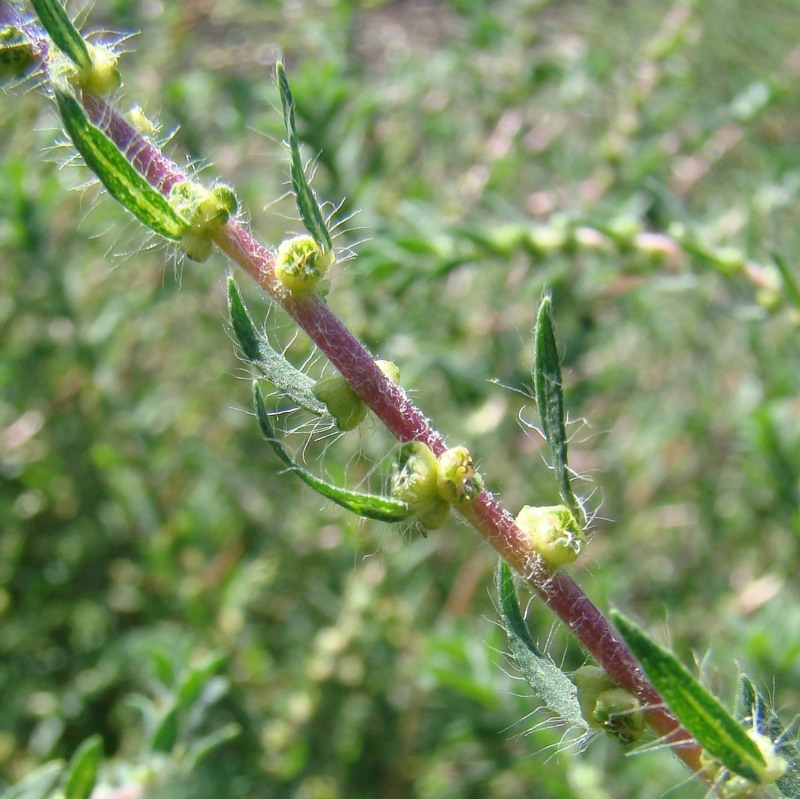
[{"x": 391, "y": 405}]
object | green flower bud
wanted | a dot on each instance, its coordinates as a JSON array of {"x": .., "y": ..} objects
[
  {"x": 225, "y": 201},
  {"x": 204, "y": 211},
  {"x": 414, "y": 482},
  {"x": 591, "y": 681},
  {"x": 620, "y": 714},
  {"x": 139, "y": 120},
  {"x": 552, "y": 532},
  {"x": 729, "y": 260},
  {"x": 457, "y": 480},
  {"x": 624, "y": 230},
  {"x": 346, "y": 407},
  {"x": 301, "y": 264},
  {"x": 737, "y": 787},
  {"x": 196, "y": 244},
  {"x": 775, "y": 765},
  {"x": 606, "y": 706},
  {"x": 16, "y": 55},
  {"x": 390, "y": 369},
  {"x": 726, "y": 784},
  {"x": 102, "y": 76}
]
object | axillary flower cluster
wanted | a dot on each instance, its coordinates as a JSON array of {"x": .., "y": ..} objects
[{"x": 430, "y": 485}]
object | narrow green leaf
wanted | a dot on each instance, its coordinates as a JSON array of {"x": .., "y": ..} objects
[
  {"x": 296, "y": 385},
  {"x": 83, "y": 768},
  {"x": 370, "y": 506},
  {"x": 63, "y": 32},
  {"x": 307, "y": 205},
  {"x": 749, "y": 696},
  {"x": 194, "y": 682},
  {"x": 550, "y": 402},
  {"x": 550, "y": 684},
  {"x": 767, "y": 722},
  {"x": 37, "y": 785},
  {"x": 703, "y": 716},
  {"x": 165, "y": 735},
  {"x": 513, "y": 623},
  {"x": 163, "y": 664},
  {"x": 243, "y": 326},
  {"x": 790, "y": 286},
  {"x": 116, "y": 173}
]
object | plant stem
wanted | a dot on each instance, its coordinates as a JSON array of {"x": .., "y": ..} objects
[
  {"x": 392, "y": 406},
  {"x": 404, "y": 420}
]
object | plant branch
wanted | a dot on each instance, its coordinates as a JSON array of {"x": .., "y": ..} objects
[{"x": 401, "y": 417}]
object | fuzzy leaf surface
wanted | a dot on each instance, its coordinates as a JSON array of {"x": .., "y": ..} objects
[
  {"x": 255, "y": 346},
  {"x": 116, "y": 173},
  {"x": 370, "y": 506},
  {"x": 549, "y": 683},
  {"x": 83, "y": 768},
  {"x": 767, "y": 722},
  {"x": 307, "y": 205},
  {"x": 702, "y": 714},
  {"x": 63, "y": 32},
  {"x": 550, "y": 403}
]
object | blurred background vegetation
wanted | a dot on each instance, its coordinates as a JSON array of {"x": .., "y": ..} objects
[{"x": 149, "y": 541}]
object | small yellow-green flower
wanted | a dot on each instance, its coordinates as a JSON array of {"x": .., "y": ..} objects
[
  {"x": 414, "y": 482},
  {"x": 301, "y": 264},
  {"x": 606, "y": 706},
  {"x": 102, "y": 76},
  {"x": 346, "y": 407},
  {"x": 140, "y": 121},
  {"x": 620, "y": 714},
  {"x": 204, "y": 211},
  {"x": 457, "y": 480},
  {"x": 16, "y": 54},
  {"x": 552, "y": 532}
]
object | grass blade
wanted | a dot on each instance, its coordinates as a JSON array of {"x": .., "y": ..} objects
[
  {"x": 790, "y": 286},
  {"x": 37, "y": 785},
  {"x": 83, "y": 768}
]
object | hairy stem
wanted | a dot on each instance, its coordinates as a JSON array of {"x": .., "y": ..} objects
[{"x": 391, "y": 405}]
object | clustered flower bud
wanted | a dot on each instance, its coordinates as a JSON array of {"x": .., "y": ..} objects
[
  {"x": 301, "y": 264},
  {"x": 608, "y": 707},
  {"x": 457, "y": 479},
  {"x": 552, "y": 532},
  {"x": 204, "y": 211}
]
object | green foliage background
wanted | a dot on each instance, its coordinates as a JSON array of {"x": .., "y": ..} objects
[{"x": 147, "y": 529}]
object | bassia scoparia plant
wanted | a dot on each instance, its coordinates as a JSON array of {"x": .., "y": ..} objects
[{"x": 630, "y": 687}]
